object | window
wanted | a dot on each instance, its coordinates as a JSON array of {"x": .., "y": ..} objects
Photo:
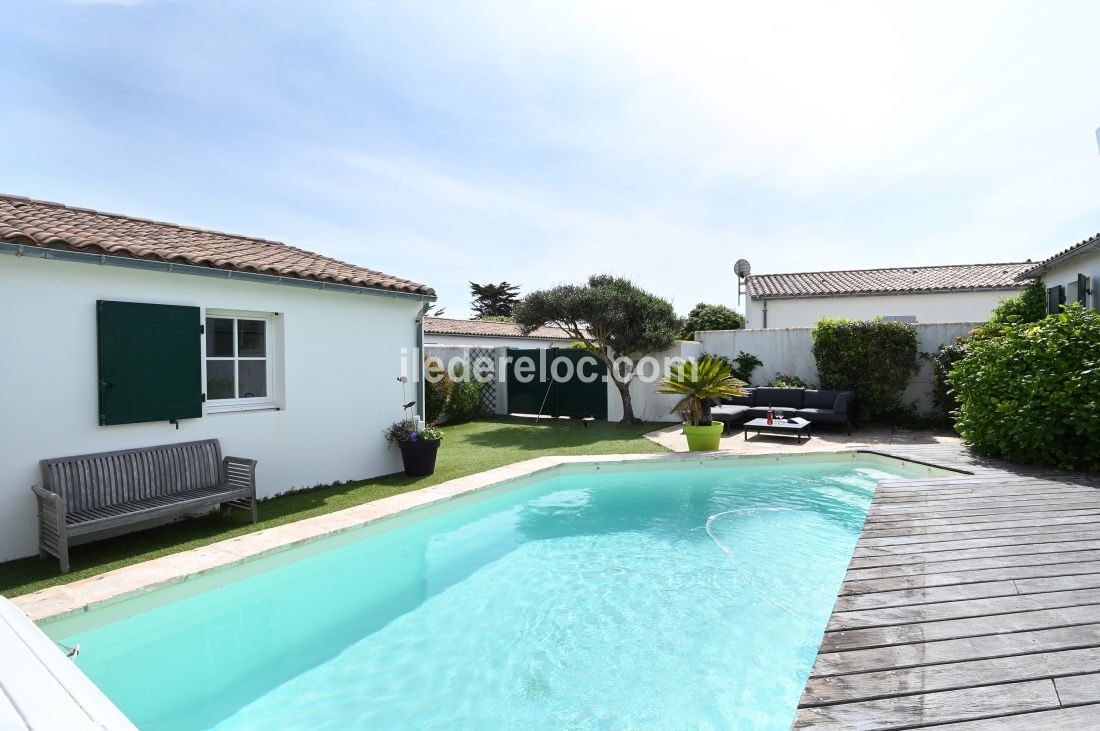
[{"x": 238, "y": 361}]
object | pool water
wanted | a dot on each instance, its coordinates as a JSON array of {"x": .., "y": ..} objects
[{"x": 671, "y": 598}]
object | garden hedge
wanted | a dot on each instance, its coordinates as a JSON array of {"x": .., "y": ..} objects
[
  {"x": 874, "y": 358},
  {"x": 1031, "y": 392}
]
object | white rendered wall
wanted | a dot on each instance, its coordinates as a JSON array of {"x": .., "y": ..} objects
[
  {"x": 342, "y": 356},
  {"x": 1066, "y": 274},
  {"x": 648, "y": 405},
  {"x": 790, "y": 351},
  {"x": 932, "y": 307}
]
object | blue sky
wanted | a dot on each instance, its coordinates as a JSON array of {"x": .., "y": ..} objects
[{"x": 540, "y": 142}]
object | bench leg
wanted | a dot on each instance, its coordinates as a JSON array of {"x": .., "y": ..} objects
[
  {"x": 64, "y": 558},
  {"x": 255, "y": 512}
]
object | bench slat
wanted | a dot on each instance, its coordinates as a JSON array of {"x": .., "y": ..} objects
[{"x": 89, "y": 493}]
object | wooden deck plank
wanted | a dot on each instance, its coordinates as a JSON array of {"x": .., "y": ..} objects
[
  {"x": 958, "y": 650},
  {"x": 971, "y": 564},
  {"x": 947, "y": 578},
  {"x": 1035, "y": 549},
  {"x": 899, "y": 634},
  {"x": 1011, "y": 540},
  {"x": 960, "y": 610},
  {"x": 932, "y": 708},
  {"x": 965, "y": 674},
  {"x": 1079, "y": 689},
  {"x": 970, "y": 602},
  {"x": 1064, "y": 719}
]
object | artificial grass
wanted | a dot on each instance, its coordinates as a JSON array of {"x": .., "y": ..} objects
[{"x": 466, "y": 449}]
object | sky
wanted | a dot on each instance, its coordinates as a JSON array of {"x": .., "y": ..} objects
[{"x": 540, "y": 142}]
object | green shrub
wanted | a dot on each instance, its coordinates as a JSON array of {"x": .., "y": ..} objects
[
  {"x": 1028, "y": 306},
  {"x": 874, "y": 358},
  {"x": 710, "y": 317},
  {"x": 1031, "y": 392},
  {"x": 437, "y": 390},
  {"x": 943, "y": 360},
  {"x": 465, "y": 403}
]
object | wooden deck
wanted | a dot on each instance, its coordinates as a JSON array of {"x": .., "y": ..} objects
[{"x": 970, "y": 603}]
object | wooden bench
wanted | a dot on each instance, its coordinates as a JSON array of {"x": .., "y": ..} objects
[{"x": 99, "y": 493}]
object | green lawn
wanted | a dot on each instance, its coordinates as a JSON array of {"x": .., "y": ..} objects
[{"x": 466, "y": 449}]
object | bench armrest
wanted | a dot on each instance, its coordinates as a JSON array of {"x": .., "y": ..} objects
[
  {"x": 845, "y": 402},
  {"x": 50, "y": 498},
  {"x": 240, "y": 472}
]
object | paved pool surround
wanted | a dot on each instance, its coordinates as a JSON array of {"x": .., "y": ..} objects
[{"x": 65, "y": 601}]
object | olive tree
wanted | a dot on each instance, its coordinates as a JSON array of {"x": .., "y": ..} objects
[{"x": 614, "y": 318}]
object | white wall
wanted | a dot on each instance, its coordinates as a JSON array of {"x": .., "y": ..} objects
[
  {"x": 1065, "y": 273},
  {"x": 931, "y": 307},
  {"x": 484, "y": 341},
  {"x": 789, "y": 351},
  {"x": 648, "y": 405},
  {"x": 342, "y": 356}
]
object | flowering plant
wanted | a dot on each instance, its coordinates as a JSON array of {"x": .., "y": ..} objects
[
  {"x": 783, "y": 380},
  {"x": 409, "y": 430}
]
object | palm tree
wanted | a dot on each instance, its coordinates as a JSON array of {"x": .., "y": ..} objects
[{"x": 699, "y": 382}]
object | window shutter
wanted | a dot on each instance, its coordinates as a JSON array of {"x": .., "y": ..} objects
[
  {"x": 150, "y": 366},
  {"x": 1082, "y": 290},
  {"x": 1056, "y": 297}
]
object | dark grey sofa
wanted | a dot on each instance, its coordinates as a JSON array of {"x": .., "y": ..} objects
[{"x": 823, "y": 407}]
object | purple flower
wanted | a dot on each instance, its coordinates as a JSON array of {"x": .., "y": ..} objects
[{"x": 412, "y": 437}]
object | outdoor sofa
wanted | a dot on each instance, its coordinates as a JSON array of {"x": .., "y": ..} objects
[{"x": 816, "y": 406}]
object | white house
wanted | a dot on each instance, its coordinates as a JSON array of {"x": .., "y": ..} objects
[
  {"x": 958, "y": 293},
  {"x": 442, "y": 331},
  {"x": 124, "y": 332},
  {"x": 1070, "y": 275}
]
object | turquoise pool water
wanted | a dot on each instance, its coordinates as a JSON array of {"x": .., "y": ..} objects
[{"x": 671, "y": 598}]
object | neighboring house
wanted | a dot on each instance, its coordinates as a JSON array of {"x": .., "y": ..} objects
[
  {"x": 479, "y": 333},
  {"x": 914, "y": 294},
  {"x": 1070, "y": 275},
  {"x": 123, "y": 332}
]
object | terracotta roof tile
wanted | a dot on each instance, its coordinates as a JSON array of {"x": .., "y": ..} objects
[
  {"x": 57, "y": 226},
  {"x": 1080, "y": 247},
  {"x": 900, "y": 280},
  {"x": 447, "y": 326}
]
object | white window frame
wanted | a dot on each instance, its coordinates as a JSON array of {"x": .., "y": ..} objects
[{"x": 217, "y": 406}]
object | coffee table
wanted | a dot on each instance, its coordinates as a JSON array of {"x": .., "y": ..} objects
[{"x": 795, "y": 426}]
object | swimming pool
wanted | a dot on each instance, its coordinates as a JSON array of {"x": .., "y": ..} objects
[{"x": 628, "y": 596}]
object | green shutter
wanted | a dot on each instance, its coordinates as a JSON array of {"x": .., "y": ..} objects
[
  {"x": 1082, "y": 290},
  {"x": 150, "y": 366},
  {"x": 1056, "y": 297}
]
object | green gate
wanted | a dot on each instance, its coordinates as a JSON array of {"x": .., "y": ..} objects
[{"x": 534, "y": 389}]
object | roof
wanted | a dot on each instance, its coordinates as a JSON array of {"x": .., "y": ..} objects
[
  {"x": 898, "y": 280},
  {"x": 1082, "y": 247},
  {"x": 447, "y": 326},
  {"x": 57, "y": 226}
]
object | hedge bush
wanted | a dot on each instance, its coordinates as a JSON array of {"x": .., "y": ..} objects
[
  {"x": 1031, "y": 392},
  {"x": 874, "y": 358}
]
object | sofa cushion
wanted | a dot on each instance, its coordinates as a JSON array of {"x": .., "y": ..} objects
[
  {"x": 729, "y": 413},
  {"x": 790, "y": 398},
  {"x": 819, "y": 399},
  {"x": 820, "y": 415}
]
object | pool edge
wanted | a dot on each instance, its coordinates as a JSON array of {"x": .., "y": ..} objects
[{"x": 68, "y": 600}]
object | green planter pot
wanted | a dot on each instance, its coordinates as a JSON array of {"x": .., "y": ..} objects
[{"x": 703, "y": 438}]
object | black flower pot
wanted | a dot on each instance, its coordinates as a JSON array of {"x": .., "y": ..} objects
[{"x": 419, "y": 456}]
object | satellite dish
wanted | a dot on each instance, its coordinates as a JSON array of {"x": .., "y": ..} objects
[{"x": 742, "y": 268}]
